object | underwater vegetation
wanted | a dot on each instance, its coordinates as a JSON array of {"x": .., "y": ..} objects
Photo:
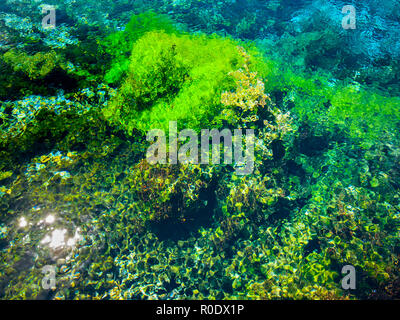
[
  {"x": 78, "y": 194},
  {"x": 169, "y": 73}
]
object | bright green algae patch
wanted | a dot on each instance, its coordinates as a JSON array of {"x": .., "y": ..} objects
[
  {"x": 366, "y": 114},
  {"x": 119, "y": 44},
  {"x": 174, "y": 77}
]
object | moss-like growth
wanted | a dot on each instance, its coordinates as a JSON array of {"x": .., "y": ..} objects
[
  {"x": 365, "y": 115},
  {"x": 34, "y": 66},
  {"x": 119, "y": 45},
  {"x": 174, "y": 77}
]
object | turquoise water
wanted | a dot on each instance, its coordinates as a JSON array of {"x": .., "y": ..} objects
[{"x": 303, "y": 202}]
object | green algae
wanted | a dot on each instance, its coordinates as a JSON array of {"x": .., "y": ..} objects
[{"x": 173, "y": 77}]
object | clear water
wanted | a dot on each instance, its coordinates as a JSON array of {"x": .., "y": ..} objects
[{"x": 84, "y": 215}]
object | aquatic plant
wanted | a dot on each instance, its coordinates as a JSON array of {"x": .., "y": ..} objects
[
  {"x": 174, "y": 77},
  {"x": 119, "y": 44},
  {"x": 35, "y": 66},
  {"x": 248, "y": 106},
  {"x": 166, "y": 192},
  {"x": 339, "y": 105}
]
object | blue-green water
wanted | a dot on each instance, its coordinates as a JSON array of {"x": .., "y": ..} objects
[{"x": 85, "y": 214}]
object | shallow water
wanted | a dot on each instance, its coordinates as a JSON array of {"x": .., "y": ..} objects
[{"x": 84, "y": 214}]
